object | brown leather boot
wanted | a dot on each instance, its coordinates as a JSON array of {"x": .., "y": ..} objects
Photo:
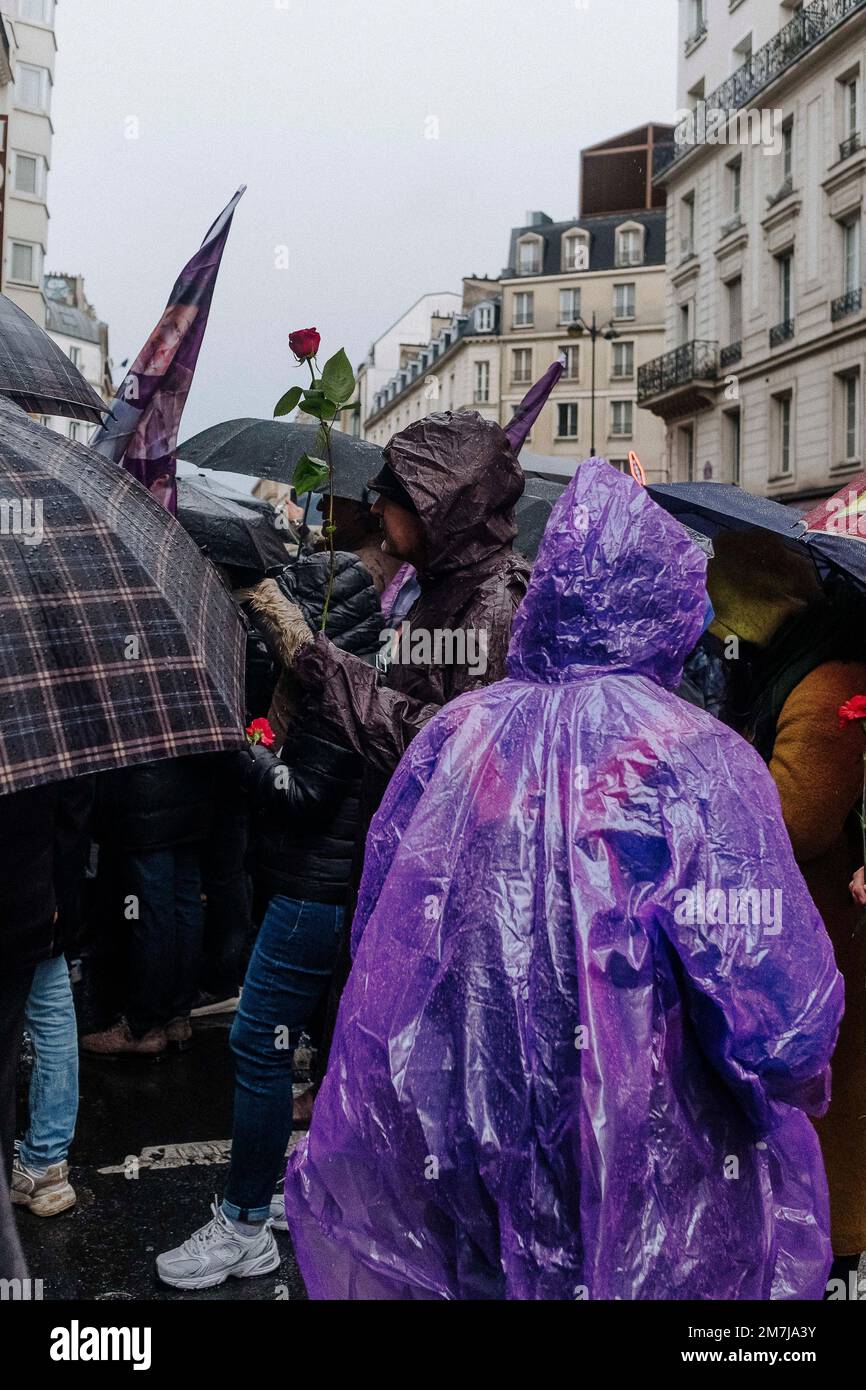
[{"x": 118, "y": 1041}]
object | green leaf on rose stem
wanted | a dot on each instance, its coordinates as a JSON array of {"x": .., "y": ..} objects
[
  {"x": 288, "y": 402},
  {"x": 319, "y": 406},
  {"x": 338, "y": 379},
  {"x": 309, "y": 475},
  {"x": 320, "y": 443}
]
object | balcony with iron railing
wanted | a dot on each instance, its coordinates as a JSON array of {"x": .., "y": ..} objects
[
  {"x": 781, "y": 332},
  {"x": 850, "y": 303},
  {"x": 850, "y": 146},
  {"x": 809, "y": 27},
  {"x": 678, "y": 382},
  {"x": 730, "y": 354}
]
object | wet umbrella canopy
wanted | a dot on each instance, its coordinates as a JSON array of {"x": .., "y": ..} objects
[
  {"x": 271, "y": 449},
  {"x": 37, "y": 374},
  {"x": 120, "y": 643},
  {"x": 229, "y": 531}
]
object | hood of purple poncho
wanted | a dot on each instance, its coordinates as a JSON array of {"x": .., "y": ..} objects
[{"x": 617, "y": 583}]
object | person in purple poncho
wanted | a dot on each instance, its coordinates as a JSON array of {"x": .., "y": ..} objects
[{"x": 592, "y": 1003}]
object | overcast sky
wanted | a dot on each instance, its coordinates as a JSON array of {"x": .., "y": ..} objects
[{"x": 323, "y": 108}]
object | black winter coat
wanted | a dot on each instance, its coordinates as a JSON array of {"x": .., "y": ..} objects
[
  {"x": 43, "y": 850},
  {"x": 158, "y": 805}
]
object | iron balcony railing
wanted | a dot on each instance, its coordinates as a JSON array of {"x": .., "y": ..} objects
[
  {"x": 730, "y": 354},
  {"x": 694, "y": 361},
  {"x": 809, "y": 26},
  {"x": 850, "y": 146},
  {"x": 782, "y": 332},
  {"x": 846, "y": 304}
]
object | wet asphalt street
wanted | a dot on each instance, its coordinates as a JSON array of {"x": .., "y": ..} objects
[{"x": 138, "y": 1193}]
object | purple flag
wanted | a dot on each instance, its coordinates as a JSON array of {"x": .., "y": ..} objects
[
  {"x": 141, "y": 430},
  {"x": 531, "y": 406}
]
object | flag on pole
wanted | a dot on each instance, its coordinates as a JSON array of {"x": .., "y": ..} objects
[{"x": 142, "y": 427}]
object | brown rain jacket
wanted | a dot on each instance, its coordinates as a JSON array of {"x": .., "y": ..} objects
[{"x": 464, "y": 481}]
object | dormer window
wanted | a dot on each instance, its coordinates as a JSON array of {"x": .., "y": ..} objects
[
  {"x": 575, "y": 251},
  {"x": 484, "y": 318},
  {"x": 529, "y": 255},
  {"x": 630, "y": 244}
]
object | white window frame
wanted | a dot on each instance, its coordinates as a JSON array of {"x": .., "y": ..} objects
[
  {"x": 48, "y": 9},
  {"x": 851, "y": 254},
  {"x": 734, "y": 296},
  {"x": 575, "y": 251},
  {"x": 38, "y": 194},
  {"x": 788, "y": 151},
  {"x": 36, "y": 262},
  {"x": 623, "y": 431},
  {"x": 616, "y": 348},
  {"x": 630, "y": 286},
  {"x": 571, "y": 352},
  {"x": 44, "y": 101},
  {"x": 523, "y": 300},
  {"x": 735, "y": 177},
  {"x": 785, "y": 263},
  {"x": 687, "y": 225},
  {"x": 734, "y": 452},
  {"x": 523, "y": 354},
  {"x": 573, "y": 412},
  {"x": 571, "y": 296},
  {"x": 783, "y": 444},
  {"x": 481, "y": 392},
  {"x": 534, "y": 245},
  {"x": 484, "y": 318}
]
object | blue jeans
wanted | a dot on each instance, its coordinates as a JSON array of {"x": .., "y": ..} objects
[
  {"x": 50, "y": 1019},
  {"x": 165, "y": 939},
  {"x": 287, "y": 977}
]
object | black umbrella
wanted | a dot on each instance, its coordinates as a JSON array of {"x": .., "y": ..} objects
[
  {"x": 37, "y": 374},
  {"x": 271, "y": 449},
  {"x": 120, "y": 643},
  {"x": 532, "y": 513},
  {"x": 229, "y": 531}
]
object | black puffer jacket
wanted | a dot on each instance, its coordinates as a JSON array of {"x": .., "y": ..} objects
[
  {"x": 43, "y": 850},
  {"x": 157, "y": 805},
  {"x": 305, "y": 817}
]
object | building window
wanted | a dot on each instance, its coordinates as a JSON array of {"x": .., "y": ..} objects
[
  {"x": 25, "y": 262},
  {"x": 524, "y": 309},
  {"x": 623, "y": 359},
  {"x": 786, "y": 287},
  {"x": 32, "y": 87},
  {"x": 74, "y": 430},
  {"x": 529, "y": 257},
  {"x": 484, "y": 318},
  {"x": 782, "y": 434},
  {"x": 686, "y": 452},
  {"x": 732, "y": 431},
  {"x": 788, "y": 153},
  {"x": 575, "y": 252},
  {"x": 37, "y": 11},
  {"x": 697, "y": 22},
  {"x": 735, "y": 187},
  {"x": 849, "y": 406},
  {"x": 687, "y": 226},
  {"x": 75, "y": 356},
  {"x": 28, "y": 175},
  {"x": 623, "y": 301},
  {"x": 567, "y": 421},
  {"x": 571, "y": 370},
  {"x": 629, "y": 246},
  {"x": 734, "y": 290},
  {"x": 569, "y": 306},
  {"x": 621, "y": 419},
  {"x": 684, "y": 323},
  {"x": 521, "y": 366},
  {"x": 851, "y": 256},
  {"x": 852, "y": 107},
  {"x": 482, "y": 383}
]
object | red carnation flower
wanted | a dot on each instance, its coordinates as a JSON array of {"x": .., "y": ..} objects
[
  {"x": 853, "y": 709},
  {"x": 304, "y": 343},
  {"x": 260, "y": 731}
]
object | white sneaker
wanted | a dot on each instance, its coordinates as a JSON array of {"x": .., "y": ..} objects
[
  {"x": 277, "y": 1218},
  {"x": 216, "y": 1251}
]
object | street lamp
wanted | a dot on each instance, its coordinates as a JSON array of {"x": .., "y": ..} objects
[{"x": 607, "y": 330}]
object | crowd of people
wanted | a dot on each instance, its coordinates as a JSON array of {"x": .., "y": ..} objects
[{"x": 568, "y": 925}]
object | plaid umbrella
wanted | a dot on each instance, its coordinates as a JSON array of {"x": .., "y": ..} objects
[
  {"x": 120, "y": 643},
  {"x": 37, "y": 375}
]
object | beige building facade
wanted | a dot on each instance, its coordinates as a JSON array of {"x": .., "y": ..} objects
[
  {"x": 77, "y": 330},
  {"x": 763, "y": 376},
  {"x": 27, "y": 54}
]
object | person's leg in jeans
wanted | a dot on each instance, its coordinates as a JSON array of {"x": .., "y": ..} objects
[
  {"x": 14, "y": 989},
  {"x": 149, "y": 879},
  {"x": 188, "y": 930},
  {"x": 288, "y": 974},
  {"x": 50, "y": 1019}
]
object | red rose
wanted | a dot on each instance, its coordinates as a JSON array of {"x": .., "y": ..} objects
[
  {"x": 260, "y": 731},
  {"x": 855, "y": 708},
  {"x": 304, "y": 343}
]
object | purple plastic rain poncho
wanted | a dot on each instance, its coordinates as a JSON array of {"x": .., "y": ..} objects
[{"x": 572, "y": 1059}]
